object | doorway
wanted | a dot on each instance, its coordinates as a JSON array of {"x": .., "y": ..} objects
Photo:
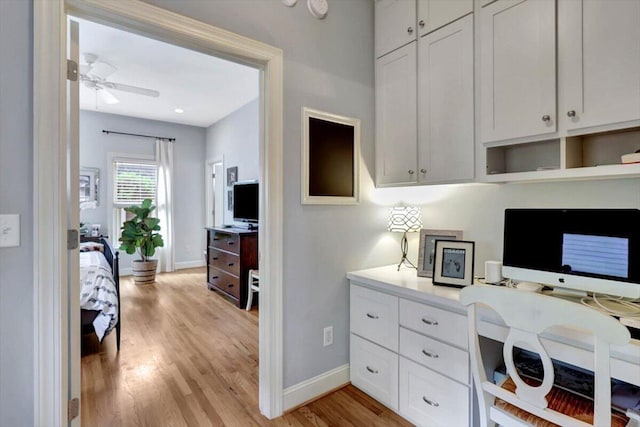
[
  {"x": 53, "y": 303},
  {"x": 214, "y": 181}
]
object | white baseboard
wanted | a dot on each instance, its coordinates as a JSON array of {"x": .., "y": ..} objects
[
  {"x": 126, "y": 271},
  {"x": 189, "y": 264},
  {"x": 316, "y": 386}
]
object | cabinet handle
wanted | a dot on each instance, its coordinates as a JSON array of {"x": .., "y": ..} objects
[
  {"x": 230, "y": 264},
  {"x": 214, "y": 258},
  {"x": 421, "y": 23},
  {"x": 411, "y": 172},
  {"x": 430, "y": 402},
  {"x": 571, "y": 113},
  {"x": 410, "y": 30},
  {"x": 546, "y": 118},
  {"x": 215, "y": 238},
  {"x": 431, "y": 355},
  {"x": 230, "y": 285},
  {"x": 373, "y": 371},
  {"x": 372, "y": 316},
  {"x": 429, "y": 322},
  {"x": 423, "y": 170},
  {"x": 215, "y": 277},
  {"x": 231, "y": 242}
]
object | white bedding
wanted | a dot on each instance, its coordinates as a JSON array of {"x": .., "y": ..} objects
[{"x": 98, "y": 291}]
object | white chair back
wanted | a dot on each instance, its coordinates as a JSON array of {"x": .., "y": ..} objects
[{"x": 527, "y": 315}]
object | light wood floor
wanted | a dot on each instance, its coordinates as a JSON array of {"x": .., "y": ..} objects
[{"x": 189, "y": 357}]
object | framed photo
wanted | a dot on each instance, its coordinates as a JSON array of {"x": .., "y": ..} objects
[
  {"x": 330, "y": 159},
  {"x": 453, "y": 263},
  {"x": 89, "y": 187},
  {"x": 232, "y": 175},
  {"x": 427, "y": 249}
]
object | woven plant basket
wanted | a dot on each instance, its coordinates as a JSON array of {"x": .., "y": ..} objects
[{"x": 144, "y": 272}]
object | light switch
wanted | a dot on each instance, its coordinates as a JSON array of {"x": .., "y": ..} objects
[{"x": 9, "y": 231}]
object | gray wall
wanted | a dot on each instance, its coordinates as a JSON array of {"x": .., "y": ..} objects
[
  {"x": 16, "y": 181},
  {"x": 188, "y": 163},
  {"x": 236, "y": 139}
]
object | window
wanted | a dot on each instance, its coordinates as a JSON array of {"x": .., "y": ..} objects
[{"x": 133, "y": 182}]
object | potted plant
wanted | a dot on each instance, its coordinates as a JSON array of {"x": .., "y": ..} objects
[{"x": 140, "y": 233}]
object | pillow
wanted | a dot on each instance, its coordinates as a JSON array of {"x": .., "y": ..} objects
[{"x": 91, "y": 246}]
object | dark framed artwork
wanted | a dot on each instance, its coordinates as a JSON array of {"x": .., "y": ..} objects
[
  {"x": 330, "y": 158},
  {"x": 232, "y": 175},
  {"x": 427, "y": 248},
  {"x": 453, "y": 263}
]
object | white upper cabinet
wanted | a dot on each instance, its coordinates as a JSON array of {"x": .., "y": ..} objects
[
  {"x": 433, "y": 14},
  {"x": 518, "y": 69},
  {"x": 445, "y": 106},
  {"x": 599, "y": 62},
  {"x": 395, "y": 24},
  {"x": 396, "y": 117}
]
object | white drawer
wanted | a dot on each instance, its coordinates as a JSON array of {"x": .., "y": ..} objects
[
  {"x": 374, "y": 370},
  {"x": 436, "y": 355},
  {"x": 374, "y": 315},
  {"x": 437, "y": 323},
  {"x": 429, "y": 399}
]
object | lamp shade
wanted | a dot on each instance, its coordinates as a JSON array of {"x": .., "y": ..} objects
[{"x": 405, "y": 219}]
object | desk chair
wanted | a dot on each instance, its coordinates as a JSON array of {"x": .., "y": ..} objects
[
  {"x": 252, "y": 286},
  {"x": 527, "y": 315}
]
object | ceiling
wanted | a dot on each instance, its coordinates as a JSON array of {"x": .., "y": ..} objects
[{"x": 206, "y": 88}]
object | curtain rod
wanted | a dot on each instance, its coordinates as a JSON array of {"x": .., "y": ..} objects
[{"x": 136, "y": 134}]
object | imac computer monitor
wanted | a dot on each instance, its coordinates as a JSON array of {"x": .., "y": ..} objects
[{"x": 575, "y": 250}]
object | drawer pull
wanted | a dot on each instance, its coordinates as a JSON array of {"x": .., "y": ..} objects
[
  {"x": 231, "y": 242},
  {"x": 215, "y": 277},
  {"x": 214, "y": 258},
  {"x": 230, "y": 285},
  {"x": 373, "y": 371},
  {"x": 216, "y": 238},
  {"x": 431, "y": 355},
  {"x": 430, "y": 402},
  {"x": 230, "y": 264},
  {"x": 372, "y": 316},
  {"x": 430, "y": 322}
]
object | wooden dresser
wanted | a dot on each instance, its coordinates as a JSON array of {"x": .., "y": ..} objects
[{"x": 231, "y": 253}]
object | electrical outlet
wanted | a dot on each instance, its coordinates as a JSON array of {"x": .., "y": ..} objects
[
  {"x": 9, "y": 231},
  {"x": 328, "y": 336}
]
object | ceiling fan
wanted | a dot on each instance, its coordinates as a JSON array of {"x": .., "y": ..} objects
[{"x": 94, "y": 76}]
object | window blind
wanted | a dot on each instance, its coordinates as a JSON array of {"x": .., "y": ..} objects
[{"x": 134, "y": 182}]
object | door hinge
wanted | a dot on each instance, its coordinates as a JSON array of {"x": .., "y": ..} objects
[
  {"x": 72, "y": 70},
  {"x": 73, "y": 408},
  {"x": 72, "y": 239}
]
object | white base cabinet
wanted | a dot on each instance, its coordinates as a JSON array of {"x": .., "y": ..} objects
[{"x": 411, "y": 356}]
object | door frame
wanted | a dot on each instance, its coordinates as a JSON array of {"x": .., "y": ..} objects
[
  {"x": 51, "y": 321},
  {"x": 209, "y": 201}
]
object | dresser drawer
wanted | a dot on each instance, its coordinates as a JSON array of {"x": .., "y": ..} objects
[
  {"x": 374, "y": 315},
  {"x": 374, "y": 370},
  {"x": 224, "y": 281},
  {"x": 224, "y": 261},
  {"x": 434, "y": 322},
  {"x": 436, "y": 355},
  {"x": 227, "y": 242},
  {"x": 427, "y": 398}
]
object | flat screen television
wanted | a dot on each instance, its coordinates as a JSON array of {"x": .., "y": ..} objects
[
  {"x": 579, "y": 250},
  {"x": 246, "y": 202}
]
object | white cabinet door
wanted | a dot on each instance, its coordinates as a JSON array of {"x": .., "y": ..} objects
[
  {"x": 374, "y": 316},
  {"x": 395, "y": 22},
  {"x": 518, "y": 69},
  {"x": 374, "y": 370},
  {"x": 433, "y": 14},
  {"x": 599, "y": 62},
  {"x": 445, "y": 103},
  {"x": 396, "y": 117}
]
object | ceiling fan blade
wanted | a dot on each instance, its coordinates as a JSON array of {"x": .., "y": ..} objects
[
  {"x": 107, "y": 97},
  {"x": 101, "y": 70},
  {"x": 132, "y": 89}
]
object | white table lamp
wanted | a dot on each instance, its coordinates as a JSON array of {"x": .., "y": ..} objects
[{"x": 405, "y": 219}]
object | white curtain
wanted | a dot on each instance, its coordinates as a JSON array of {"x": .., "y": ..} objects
[{"x": 164, "y": 198}]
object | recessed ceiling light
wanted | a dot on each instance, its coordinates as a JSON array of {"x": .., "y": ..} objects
[{"x": 179, "y": 110}]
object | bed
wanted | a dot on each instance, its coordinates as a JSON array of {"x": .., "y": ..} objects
[{"x": 99, "y": 289}]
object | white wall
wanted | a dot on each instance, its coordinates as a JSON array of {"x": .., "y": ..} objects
[
  {"x": 236, "y": 139},
  {"x": 16, "y": 182},
  {"x": 189, "y": 166}
]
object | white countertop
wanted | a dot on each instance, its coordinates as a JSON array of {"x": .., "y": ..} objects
[{"x": 406, "y": 283}]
